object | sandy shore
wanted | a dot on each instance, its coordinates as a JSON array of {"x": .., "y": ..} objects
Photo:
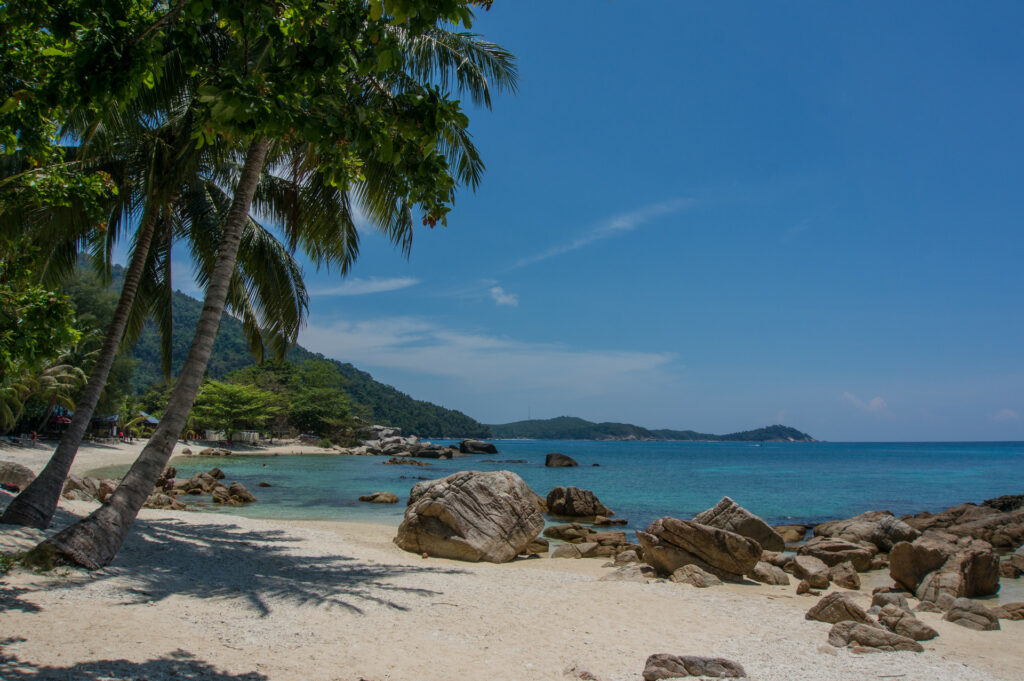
[
  {"x": 92, "y": 456},
  {"x": 211, "y": 596}
]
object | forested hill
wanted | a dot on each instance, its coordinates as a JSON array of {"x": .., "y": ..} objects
[
  {"x": 572, "y": 428},
  {"x": 231, "y": 351}
]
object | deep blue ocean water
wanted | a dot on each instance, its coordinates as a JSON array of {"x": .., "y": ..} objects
[{"x": 641, "y": 481}]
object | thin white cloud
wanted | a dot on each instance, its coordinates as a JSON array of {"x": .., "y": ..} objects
[
  {"x": 618, "y": 224},
  {"x": 502, "y": 297},
  {"x": 362, "y": 287},
  {"x": 876, "y": 405},
  {"x": 1005, "y": 416},
  {"x": 483, "y": 363}
]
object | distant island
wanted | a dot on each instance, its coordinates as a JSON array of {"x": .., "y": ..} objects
[{"x": 572, "y": 428}]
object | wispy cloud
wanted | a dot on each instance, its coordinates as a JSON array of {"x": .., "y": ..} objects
[
  {"x": 362, "y": 287},
  {"x": 483, "y": 363},
  {"x": 1005, "y": 416},
  {"x": 619, "y": 224},
  {"x": 502, "y": 297},
  {"x": 876, "y": 405}
]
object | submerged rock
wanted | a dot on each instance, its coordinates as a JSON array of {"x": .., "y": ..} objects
[{"x": 380, "y": 498}]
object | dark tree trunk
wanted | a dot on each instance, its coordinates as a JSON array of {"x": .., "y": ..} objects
[
  {"x": 94, "y": 541},
  {"x": 37, "y": 503}
]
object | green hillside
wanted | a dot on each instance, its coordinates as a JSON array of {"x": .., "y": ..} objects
[
  {"x": 572, "y": 428},
  {"x": 231, "y": 351}
]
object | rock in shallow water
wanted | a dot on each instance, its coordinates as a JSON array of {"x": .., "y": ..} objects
[
  {"x": 471, "y": 516},
  {"x": 572, "y": 502},
  {"x": 556, "y": 460},
  {"x": 380, "y": 498},
  {"x": 477, "y": 447}
]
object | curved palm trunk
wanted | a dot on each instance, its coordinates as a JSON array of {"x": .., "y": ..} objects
[
  {"x": 94, "y": 541},
  {"x": 36, "y": 504}
]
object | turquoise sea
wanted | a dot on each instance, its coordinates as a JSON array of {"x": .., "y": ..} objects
[{"x": 641, "y": 481}]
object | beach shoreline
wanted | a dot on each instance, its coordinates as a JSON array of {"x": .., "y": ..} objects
[{"x": 227, "y": 597}]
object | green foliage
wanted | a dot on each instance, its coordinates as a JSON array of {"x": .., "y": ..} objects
[
  {"x": 36, "y": 323},
  {"x": 325, "y": 443},
  {"x": 370, "y": 400},
  {"x": 231, "y": 407},
  {"x": 8, "y": 561},
  {"x": 572, "y": 428},
  {"x": 42, "y": 558}
]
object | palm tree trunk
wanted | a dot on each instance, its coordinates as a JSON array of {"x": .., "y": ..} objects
[
  {"x": 94, "y": 541},
  {"x": 36, "y": 504}
]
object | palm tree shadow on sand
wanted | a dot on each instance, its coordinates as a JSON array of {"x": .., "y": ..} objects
[
  {"x": 167, "y": 557},
  {"x": 180, "y": 665}
]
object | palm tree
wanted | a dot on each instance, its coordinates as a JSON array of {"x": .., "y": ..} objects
[
  {"x": 384, "y": 195},
  {"x": 53, "y": 383},
  {"x": 164, "y": 178}
]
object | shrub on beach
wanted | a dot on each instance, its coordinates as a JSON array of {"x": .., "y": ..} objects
[{"x": 325, "y": 443}]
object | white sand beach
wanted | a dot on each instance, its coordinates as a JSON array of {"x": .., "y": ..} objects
[{"x": 214, "y": 596}]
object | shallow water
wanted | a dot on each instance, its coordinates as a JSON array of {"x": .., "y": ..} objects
[{"x": 782, "y": 482}]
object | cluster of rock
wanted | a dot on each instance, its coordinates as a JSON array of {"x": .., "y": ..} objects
[
  {"x": 87, "y": 488},
  {"x": 207, "y": 451},
  {"x": 585, "y": 542},
  {"x": 496, "y": 517},
  {"x": 388, "y": 441},
  {"x": 169, "y": 487}
]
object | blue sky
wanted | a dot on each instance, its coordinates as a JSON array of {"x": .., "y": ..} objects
[{"x": 720, "y": 216}]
